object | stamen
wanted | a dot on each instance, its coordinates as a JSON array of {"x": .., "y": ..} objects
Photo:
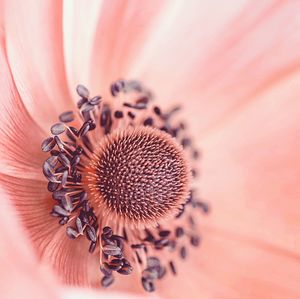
[
  {"x": 57, "y": 129},
  {"x": 122, "y": 181},
  {"x": 131, "y": 115},
  {"x": 66, "y": 117},
  {"x": 118, "y": 114}
]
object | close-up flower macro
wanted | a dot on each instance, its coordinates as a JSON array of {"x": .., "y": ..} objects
[{"x": 150, "y": 149}]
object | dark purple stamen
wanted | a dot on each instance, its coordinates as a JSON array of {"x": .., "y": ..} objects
[
  {"x": 172, "y": 267},
  {"x": 140, "y": 106},
  {"x": 118, "y": 114},
  {"x": 157, "y": 110},
  {"x": 164, "y": 233},
  {"x": 95, "y": 100},
  {"x": 183, "y": 252},
  {"x": 70, "y": 147},
  {"x": 66, "y": 117},
  {"x": 148, "y": 121},
  {"x": 195, "y": 241},
  {"x": 58, "y": 129},
  {"x": 107, "y": 281},
  {"x": 83, "y": 91},
  {"x": 48, "y": 144}
]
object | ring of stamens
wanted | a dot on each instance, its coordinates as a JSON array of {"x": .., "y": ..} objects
[
  {"x": 140, "y": 175},
  {"x": 79, "y": 155}
]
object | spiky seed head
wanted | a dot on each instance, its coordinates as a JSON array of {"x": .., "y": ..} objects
[{"x": 140, "y": 175}]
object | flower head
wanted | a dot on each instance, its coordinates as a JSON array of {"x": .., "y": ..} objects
[
  {"x": 234, "y": 68},
  {"x": 123, "y": 181}
]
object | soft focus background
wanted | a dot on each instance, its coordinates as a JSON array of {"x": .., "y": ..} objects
[{"x": 234, "y": 66}]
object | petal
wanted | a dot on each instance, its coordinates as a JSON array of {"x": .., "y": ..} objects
[
  {"x": 216, "y": 58},
  {"x": 123, "y": 28},
  {"x": 70, "y": 259},
  {"x": 20, "y": 136},
  {"x": 21, "y": 276},
  {"x": 254, "y": 162},
  {"x": 251, "y": 171},
  {"x": 178, "y": 45},
  {"x": 34, "y": 204},
  {"x": 77, "y": 293},
  {"x": 80, "y": 20},
  {"x": 229, "y": 266},
  {"x": 34, "y": 44}
]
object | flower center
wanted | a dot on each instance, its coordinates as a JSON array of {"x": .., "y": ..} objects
[
  {"x": 122, "y": 180},
  {"x": 140, "y": 174}
]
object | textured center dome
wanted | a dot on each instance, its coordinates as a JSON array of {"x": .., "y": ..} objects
[{"x": 141, "y": 174}]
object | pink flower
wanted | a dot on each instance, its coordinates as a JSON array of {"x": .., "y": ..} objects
[{"x": 234, "y": 67}]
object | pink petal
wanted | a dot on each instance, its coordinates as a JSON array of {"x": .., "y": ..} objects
[
  {"x": 80, "y": 19},
  {"x": 21, "y": 276},
  {"x": 79, "y": 293},
  {"x": 179, "y": 44},
  {"x": 34, "y": 203},
  {"x": 251, "y": 176},
  {"x": 253, "y": 159},
  {"x": 69, "y": 258},
  {"x": 34, "y": 45},
  {"x": 123, "y": 29},
  {"x": 20, "y": 136},
  {"x": 229, "y": 266},
  {"x": 220, "y": 56}
]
